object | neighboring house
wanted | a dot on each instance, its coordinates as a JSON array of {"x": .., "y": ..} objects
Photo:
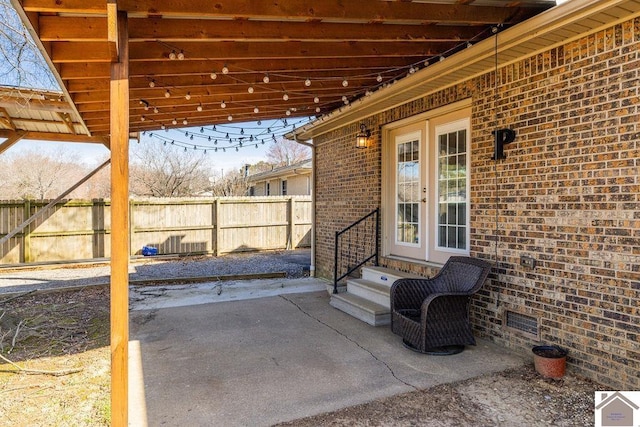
[
  {"x": 567, "y": 195},
  {"x": 292, "y": 180}
]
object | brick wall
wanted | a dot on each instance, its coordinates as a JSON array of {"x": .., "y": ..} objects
[{"x": 568, "y": 195}]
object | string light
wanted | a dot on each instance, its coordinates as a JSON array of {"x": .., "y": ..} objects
[
  {"x": 285, "y": 97},
  {"x": 307, "y": 82},
  {"x": 172, "y": 55},
  {"x": 180, "y": 56},
  {"x": 185, "y": 122},
  {"x": 187, "y": 96},
  {"x": 152, "y": 83},
  {"x": 379, "y": 78},
  {"x": 230, "y": 118},
  {"x": 155, "y": 110},
  {"x": 174, "y": 122},
  {"x": 316, "y": 100},
  {"x": 250, "y": 89},
  {"x": 142, "y": 118},
  {"x": 223, "y": 105},
  {"x": 345, "y": 83},
  {"x": 199, "y": 107},
  {"x": 213, "y": 76},
  {"x": 256, "y": 110},
  {"x": 265, "y": 79},
  {"x": 167, "y": 94},
  {"x": 225, "y": 69}
]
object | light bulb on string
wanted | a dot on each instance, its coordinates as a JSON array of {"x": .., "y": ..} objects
[
  {"x": 155, "y": 110},
  {"x": 213, "y": 76},
  {"x": 307, "y": 82},
  {"x": 230, "y": 118},
  {"x": 191, "y": 137},
  {"x": 285, "y": 97},
  {"x": 152, "y": 83},
  {"x": 259, "y": 122},
  {"x": 316, "y": 100},
  {"x": 174, "y": 122},
  {"x": 163, "y": 127},
  {"x": 288, "y": 113},
  {"x": 172, "y": 55},
  {"x": 225, "y": 69},
  {"x": 317, "y": 109},
  {"x": 379, "y": 78},
  {"x": 256, "y": 110},
  {"x": 180, "y": 55},
  {"x": 167, "y": 94},
  {"x": 345, "y": 83},
  {"x": 265, "y": 79},
  {"x": 250, "y": 89},
  {"x": 185, "y": 122},
  {"x": 142, "y": 118},
  {"x": 201, "y": 129},
  {"x": 199, "y": 107},
  {"x": 223, "y": 105},
  {"x": 187, "y": 96}
]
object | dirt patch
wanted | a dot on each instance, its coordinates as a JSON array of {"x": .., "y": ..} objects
[
  {"x": 67, "y": 331},
  {"x": 60, "y": 340},
  {"x": 517, "y": 397}
]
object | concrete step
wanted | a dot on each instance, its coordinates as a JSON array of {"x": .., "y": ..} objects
[
  {"x": 385, "y": 276},
  {"x": 362, "y": 309},
  {"x": 372, "y": 291}
]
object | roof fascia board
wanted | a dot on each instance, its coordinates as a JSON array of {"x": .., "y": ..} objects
[{"x": 432, "y": 78}]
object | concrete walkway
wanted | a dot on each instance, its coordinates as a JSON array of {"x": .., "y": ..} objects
[{"x": 257, "y": 362}]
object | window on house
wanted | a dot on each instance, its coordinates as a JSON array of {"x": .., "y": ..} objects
[
  {"x": 252, "y": 191},
  {"x": 426, "y": 187},
  {"x": 267, "y": 189},
  {"x": 284, "y": 187}
]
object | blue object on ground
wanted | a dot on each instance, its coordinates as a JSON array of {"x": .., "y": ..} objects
[{"x": 149, "y": 251}]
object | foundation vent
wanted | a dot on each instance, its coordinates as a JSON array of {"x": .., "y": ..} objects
[{"x": 522, "y": 322}]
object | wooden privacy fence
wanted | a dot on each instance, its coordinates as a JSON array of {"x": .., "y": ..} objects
[{"x": 80, "y": 229}]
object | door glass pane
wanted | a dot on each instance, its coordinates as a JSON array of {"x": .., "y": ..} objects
[
  {"x": 408, "y": 191},
  {"x": 452, "y": 190}
]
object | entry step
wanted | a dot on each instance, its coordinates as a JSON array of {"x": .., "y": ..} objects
[{"x": 363, "y": 309}]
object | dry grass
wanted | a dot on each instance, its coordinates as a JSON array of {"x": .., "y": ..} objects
[{"x": 64, "y": 334}]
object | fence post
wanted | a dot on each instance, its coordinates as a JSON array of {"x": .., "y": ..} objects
[
  {"x": 217, "y": 227},
  {"x": 26, "y": 234},
  {"x": 292, "y": 223}
]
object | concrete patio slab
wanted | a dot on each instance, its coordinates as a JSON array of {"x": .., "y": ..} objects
[{"x": 258, "y": 362}]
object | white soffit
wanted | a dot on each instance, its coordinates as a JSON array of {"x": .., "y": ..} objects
[{"x": 554, "y": 27}]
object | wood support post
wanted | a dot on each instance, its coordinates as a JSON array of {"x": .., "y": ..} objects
[{"x": 119, "y": 123}]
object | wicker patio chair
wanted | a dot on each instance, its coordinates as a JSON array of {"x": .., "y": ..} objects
[{"x": 432, "y": 315}]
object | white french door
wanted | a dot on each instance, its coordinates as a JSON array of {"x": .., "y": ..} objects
[{"x": 426, "y": 190}]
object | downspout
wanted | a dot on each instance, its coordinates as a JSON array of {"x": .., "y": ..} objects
[{"x": 312, "y": 267}]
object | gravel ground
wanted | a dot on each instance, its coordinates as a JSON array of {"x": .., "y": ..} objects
[{"x": 293, "y": 263}]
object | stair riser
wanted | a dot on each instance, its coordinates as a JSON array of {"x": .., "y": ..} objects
[
  {"x": 377, "y": 277},
  {"x": 360, "y": 314},
  {"x": 369, "y": 294}
]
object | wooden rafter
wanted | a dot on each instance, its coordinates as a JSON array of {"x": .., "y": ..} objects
[
  {"x": 5, "y": 120},
  {"x": 66, "y": 119},
  {"x": 11, "y": 139}
]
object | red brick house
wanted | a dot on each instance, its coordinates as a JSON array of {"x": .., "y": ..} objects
[{"x": 559, "y": 215}]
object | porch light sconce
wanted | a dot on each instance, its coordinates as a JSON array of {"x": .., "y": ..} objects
[{"x": 362, "y": 138}]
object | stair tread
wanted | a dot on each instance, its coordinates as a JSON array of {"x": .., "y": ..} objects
[
  {"x": 392, "y": 272},
  {"x": 361, "y": 303}
]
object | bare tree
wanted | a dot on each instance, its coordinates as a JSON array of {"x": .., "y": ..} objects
[
  {"x": 285, "y": 152},
  {"x": 164, "y": 171},
  {"x": 233, "y": 183},
  {"x": 21, "y": 63},
  {"x": 33, "y": 175}
]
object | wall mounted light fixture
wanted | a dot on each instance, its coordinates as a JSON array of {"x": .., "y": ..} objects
[{"x": 362, "y": 138}]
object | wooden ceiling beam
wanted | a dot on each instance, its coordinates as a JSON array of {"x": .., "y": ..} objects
[
  {"x": 11, "y": 138},
  {"x": 226, "y": 51},
  {"x": 240, "y": 82},
  {"x": 87, "y": 29},
  {"x": 297, "y": 10},
  {"x": 52, "y": 136},
  {"x": 326, "y": 10},
  {"x": 85, "y": 71}
]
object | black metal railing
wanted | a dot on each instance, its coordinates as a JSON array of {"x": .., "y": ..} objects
[{"x": 355, "y": 246}]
